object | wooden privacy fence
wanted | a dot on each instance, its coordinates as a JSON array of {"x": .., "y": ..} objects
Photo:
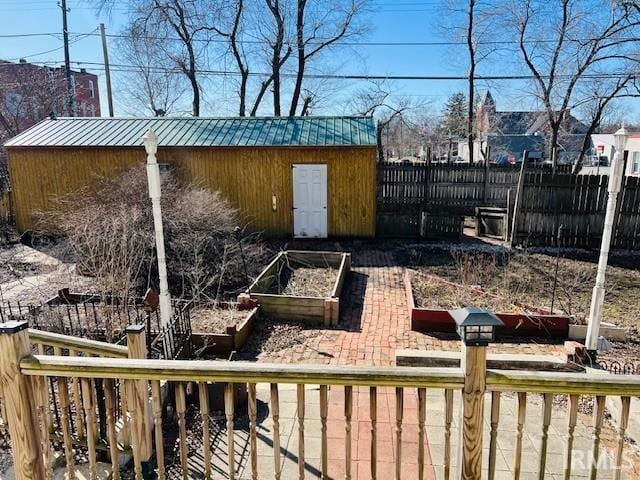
[
  {"x": 578, "y": 203},
  {"x": 25, "y": 375},
  {"x": 454, "y": 188}
]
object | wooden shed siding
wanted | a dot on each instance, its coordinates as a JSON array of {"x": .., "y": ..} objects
[{"x": 246, "y": 176}]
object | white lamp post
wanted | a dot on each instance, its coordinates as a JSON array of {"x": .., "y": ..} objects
[
  {"x": 616, "y": 174},
  {"x": 153, "y": 177}
]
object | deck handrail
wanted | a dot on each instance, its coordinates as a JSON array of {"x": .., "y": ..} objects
[
  {"x": 239, "y": 372},
  {"x": 251, "y": 372},
  {"x": 77, "y": 344},
  {"x": 563, "y": 383}
]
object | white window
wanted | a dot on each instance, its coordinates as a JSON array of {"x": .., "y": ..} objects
[
  {"x": 92, "y": 89},
  {"x": 635, "y": 163}
]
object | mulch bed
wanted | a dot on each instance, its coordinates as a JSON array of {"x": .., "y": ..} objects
[
  {"x": 304, "y": 281},
  {"x": 275, "y": 335},
  {"x": 216, "y": 319},
  {"x": 434, "y": 294}
]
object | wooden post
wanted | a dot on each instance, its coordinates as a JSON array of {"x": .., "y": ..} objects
[
  {"x": 474, "y": 369},
  {"x": 485, "y": 193},
  {"x": 518, "y": 202},
  {"x": 20, "y": 402},
  {"x": 138, "y": 395}
]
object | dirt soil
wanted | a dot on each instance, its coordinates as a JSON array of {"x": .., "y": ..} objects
[
  {"x": 215, "y": 320},
  {"x": 306, "y": 281},
  {"x": 528, "y": 278},
  {"x": 274, "y": 335},
  {"x": 430, "y": 293}
]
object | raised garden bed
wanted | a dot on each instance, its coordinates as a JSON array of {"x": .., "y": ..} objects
[
  {"x": 223, "y": 327},
  {"x": 430, "y": 298},
  {"x": 301, "y": 285}
]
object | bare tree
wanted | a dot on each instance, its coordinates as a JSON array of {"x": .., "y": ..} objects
[
  {"x": 187, "y": 25},
  {"x": 378, "y": 100},
  {"x": 472, "y": 22},
  {"x": 318, "y": 26},
  {"x": 146, "y": 84},
  {"x": 579, "y": 45}
]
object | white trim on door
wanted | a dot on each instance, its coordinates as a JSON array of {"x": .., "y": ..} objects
[{"x": 309, "y": 200}]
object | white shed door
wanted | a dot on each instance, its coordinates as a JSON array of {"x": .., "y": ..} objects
[{"x": 310, "y": 201}]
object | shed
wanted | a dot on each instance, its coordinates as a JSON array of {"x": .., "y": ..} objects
[{"x": 301, "y": 176}]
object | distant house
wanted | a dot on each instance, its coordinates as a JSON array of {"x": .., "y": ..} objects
[
  {"x": 508, "y": 133},
  {"x": 602, "y": 149}
]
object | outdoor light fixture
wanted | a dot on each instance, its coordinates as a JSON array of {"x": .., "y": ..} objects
[
  {"x": 476, "y": 326},
  {"x": 616, "y": 174},
  {"x": 620, "y": 138}
]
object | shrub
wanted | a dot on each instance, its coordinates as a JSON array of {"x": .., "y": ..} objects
[{"x": 108, "y": 227}]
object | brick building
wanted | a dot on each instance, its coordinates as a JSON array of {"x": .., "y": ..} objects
[{"x": 29, "y": 93}]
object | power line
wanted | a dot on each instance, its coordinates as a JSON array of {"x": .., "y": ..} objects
[
  {"x": 345, "y": 43},
  {"x": 134, "y": 68}
]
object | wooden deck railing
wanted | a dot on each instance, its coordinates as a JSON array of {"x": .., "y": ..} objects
[{"x": 146, "y": 383}]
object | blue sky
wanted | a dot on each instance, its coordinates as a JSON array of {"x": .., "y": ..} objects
[{"x": 396, "y": 21}]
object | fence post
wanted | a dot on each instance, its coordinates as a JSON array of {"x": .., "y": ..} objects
[
  {"x": 518, "y": 202},
  {"x": 20, "y": 402},
  {"x": 138, "y": 394},
  {"x": 474, "y": 369},
  {"x": 485, "y": 193}
]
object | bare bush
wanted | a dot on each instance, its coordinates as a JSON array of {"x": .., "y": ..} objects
[{"x": 108, "y": 227}]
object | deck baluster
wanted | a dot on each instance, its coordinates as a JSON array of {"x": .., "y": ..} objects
[
  {"x": 157, "y": 422},
  {"x": 448, "y": 418},
  {"x": 181, "y": 406},
  {"x": 324, "y": 408},
  {"x": 571, "y": 427},
  {"x": 253, "y": 435},
  {"x": 109, "y": 402},
  {"x": 275, "y": 415},
  {"x": 91, "y": 423},
  {"x": 399, "y": 414},
  {"x": 373, "y": 415},
  {"x": 203, "y": 394},
  {"x": 598, "y": 417},
  {"x": 546, "y": 421},
  {"x": 300, "y": 415},
  {"x": 228, "y": 411},
  {"x": 493, "y": 436},
  {"x": 622, "y": 428},
  {"x": 522, "y": 409},
  {"x": 348, "y": 412},
  {"x": 422, "y": 414}
]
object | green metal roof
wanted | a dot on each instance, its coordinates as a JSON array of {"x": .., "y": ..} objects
[{"x": 199, "y": 132}]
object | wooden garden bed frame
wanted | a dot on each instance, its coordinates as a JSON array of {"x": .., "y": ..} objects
[
  {"x": 540, "y": 323},
  {"x": 235, "y": 336},
  {"x": 324, "y": 310}
]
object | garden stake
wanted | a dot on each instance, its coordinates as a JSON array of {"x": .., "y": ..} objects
[
  {"x": 555, "y": 278},
  {"x": 237, "y": 233}
]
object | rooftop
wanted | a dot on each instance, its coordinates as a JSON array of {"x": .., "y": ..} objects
[{"x": 199, "y": 132}]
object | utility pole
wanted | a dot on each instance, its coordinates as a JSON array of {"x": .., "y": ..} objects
[
  {"x": 67, "y": 63},
  {"x": 107, "y": 70}
]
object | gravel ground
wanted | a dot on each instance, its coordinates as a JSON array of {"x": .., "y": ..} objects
[{"x": 215, "y": 320}]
